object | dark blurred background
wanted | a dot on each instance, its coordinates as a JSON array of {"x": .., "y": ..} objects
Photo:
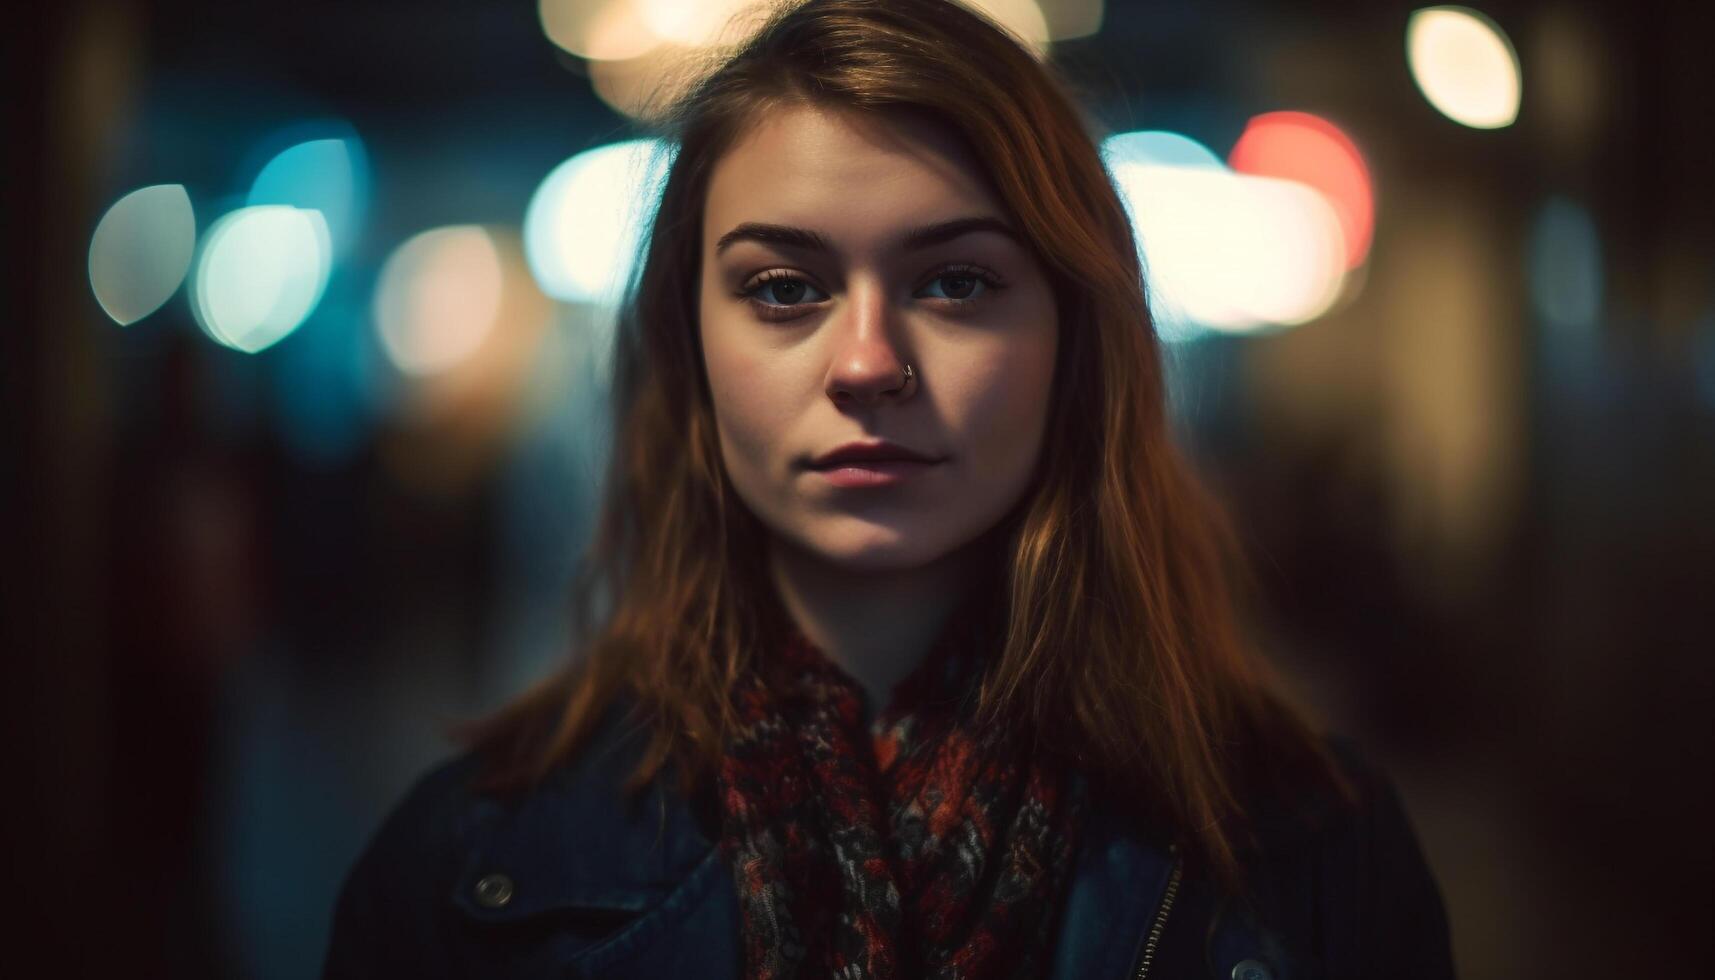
[{"x": 304, "y": 408}]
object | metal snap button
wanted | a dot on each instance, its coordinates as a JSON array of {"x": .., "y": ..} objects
[
  {"x": 1251, "y": 970},
  {"x": 493, "y": 891}
]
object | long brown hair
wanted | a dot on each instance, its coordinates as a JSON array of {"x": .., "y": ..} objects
[{"x": 1116, "y": 636}]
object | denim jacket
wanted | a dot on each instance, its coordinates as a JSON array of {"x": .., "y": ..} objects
[{"x": 568, "y": 882}]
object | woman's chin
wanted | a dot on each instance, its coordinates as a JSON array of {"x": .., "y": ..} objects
[{"x": 873, "y": 549}]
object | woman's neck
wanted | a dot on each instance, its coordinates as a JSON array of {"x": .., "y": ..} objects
[{"x": 877, "y": 626}]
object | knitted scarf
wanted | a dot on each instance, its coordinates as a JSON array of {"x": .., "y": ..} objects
[{"x": 910, "y": 850}]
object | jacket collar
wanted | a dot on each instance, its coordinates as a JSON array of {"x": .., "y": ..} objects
[
  {"x": 1118, "y": 885},
  {"x": 647, "y": 892},
  {"x": 572, "y": 845}
]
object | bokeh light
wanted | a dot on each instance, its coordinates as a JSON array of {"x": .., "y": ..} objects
[
  {"x": 1313, "y": 151},
  {"x": 1465, "y": 66},
  {"x": 701, "y": 23},
  {"x": 326, "y": 175},
  {"x": 1160, "y": 148},
  {"x": 453, "y": 423},
  {"x": 644, "y": 54},
  {"x": 1123, "y": 154},
  {"x": 621, "y": 30},
  {"x": 1224, "y": 251},
  {"x": 1069, "y": 19},
  {"x": 1023, "y": 18},
  {"x": 1232, "y": 252},
  {"x": 1703, "y": 334},
  {"x": 687, "y": 38},
  {"x": 584, "y": 224},
  {"x": 262, "y": 271},
  {"x": 437, "y": 298},
  {"x": 1566, "y": 267},
  {"x": 644, "y": 86},
  {"x": 597, "y": 29},
  {"x": 141, "y": 250}
]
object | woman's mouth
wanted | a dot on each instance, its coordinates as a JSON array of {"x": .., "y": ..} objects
[
  {"x": 870, "y": 463},
  {"x": 872, "y": 472}
]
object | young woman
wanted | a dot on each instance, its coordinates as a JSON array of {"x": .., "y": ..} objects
[{"x": 906, "y": 650}]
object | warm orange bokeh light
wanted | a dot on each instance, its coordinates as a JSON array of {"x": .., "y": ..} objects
[{"x": 1311, "y": 150}]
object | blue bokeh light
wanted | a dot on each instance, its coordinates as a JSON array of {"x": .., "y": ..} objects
[
  {"x": 327, "y": 388},
  {"x": 329, "y": 175},
  {"x": 1158, "y": 148},
  {"x": 1566, "y": 267}
]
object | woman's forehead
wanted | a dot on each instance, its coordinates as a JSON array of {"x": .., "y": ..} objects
[{"x": 866, "y": 173}]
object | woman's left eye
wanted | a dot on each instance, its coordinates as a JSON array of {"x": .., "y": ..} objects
[{"x": 963, "y": 285}]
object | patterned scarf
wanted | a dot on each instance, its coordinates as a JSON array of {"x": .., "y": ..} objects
[{"x": 907, "y": 851}]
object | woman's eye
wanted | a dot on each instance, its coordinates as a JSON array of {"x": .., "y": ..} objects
[
  {"x": 959, "y": 286},
  {"x": 785, "y": 291},
  {"x": 782, "y": 295}
]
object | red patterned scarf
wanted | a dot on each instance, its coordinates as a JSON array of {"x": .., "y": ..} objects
[{"x": 911, "y": 850}]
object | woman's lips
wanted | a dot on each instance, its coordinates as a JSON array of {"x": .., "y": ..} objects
[{"x": 872, "y": 472}]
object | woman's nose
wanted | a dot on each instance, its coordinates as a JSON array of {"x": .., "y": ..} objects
[{"x": 867, "y": 364}]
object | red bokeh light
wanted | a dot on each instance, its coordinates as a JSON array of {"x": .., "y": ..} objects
[{"x": 1311, "y": 150}]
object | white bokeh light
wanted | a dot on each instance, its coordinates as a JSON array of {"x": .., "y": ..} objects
[
  {"x": 1464, "y": 65},
  {"x": 1022, "y": 17},
  {"x": 261, "y": 273},
  {"x": 585, "y": 222},
  {"x": 597, "y": 29},
  {"x": 438, "y": 298},
  {"x": 141, "y": 250},
  {"x": 700, "y": 23},
  {"x": 1232, "y": 252}
]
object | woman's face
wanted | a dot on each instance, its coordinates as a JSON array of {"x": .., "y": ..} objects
[{"x": 827, "y": 266}]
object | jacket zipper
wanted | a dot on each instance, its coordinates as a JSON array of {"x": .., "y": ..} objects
[{"x": 1160, "y": 923}]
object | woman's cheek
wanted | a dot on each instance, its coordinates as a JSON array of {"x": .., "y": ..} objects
[
  {"x": 1006, "y": 398},
  {"x": 753, "y": 427}
]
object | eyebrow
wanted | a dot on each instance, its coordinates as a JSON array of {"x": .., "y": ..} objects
[{"x": 809, "y": 240}]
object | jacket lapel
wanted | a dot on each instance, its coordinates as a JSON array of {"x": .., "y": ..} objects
[
  {"x": 635, "y": 890},
  {"x": 1118, "y": 881}
]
